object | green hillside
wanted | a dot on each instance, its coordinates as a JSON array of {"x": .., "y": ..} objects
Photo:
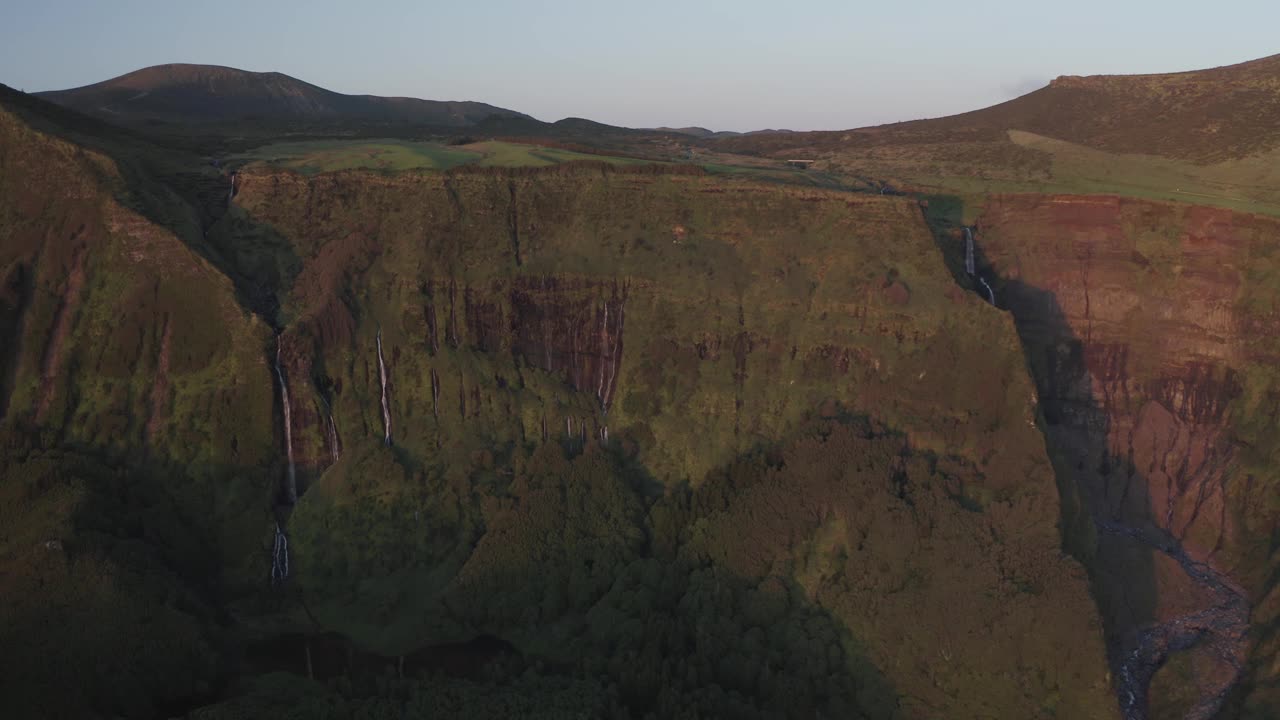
[{"x": 595, "y": 378}]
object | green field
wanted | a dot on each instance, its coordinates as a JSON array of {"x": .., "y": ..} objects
[
  {"x": 1023, "y": 162},
  {"x": 317, "y": 156},
  {"x": 309, "y": 157},
  {"x": 1250, "y": 184},
  {"x": 785, "y": 175},
  {"x": 507, "y": 154}
]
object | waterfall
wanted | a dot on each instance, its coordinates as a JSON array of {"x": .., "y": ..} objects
[
  {"x": 280, "y": 557},
  {"x": 332, "y": 428},
  {"x": 604, "y": 349},
  {"x": 605, "y": 391},
  {"x": 333, "y": 439},
  {"x": 991, "y": 294},
  {"x": 291, "y": 481},
  {"x": 386, "y": 409},
  {"x": 435, "y": 394},
  {"x": 232, "y": 192},
  {"x": 968, "y": 251}
]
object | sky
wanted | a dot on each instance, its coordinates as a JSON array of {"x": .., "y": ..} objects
[{"x": 726, "y": 65}]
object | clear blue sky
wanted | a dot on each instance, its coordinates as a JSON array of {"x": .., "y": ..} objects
[{"x": 737, "y": 65}]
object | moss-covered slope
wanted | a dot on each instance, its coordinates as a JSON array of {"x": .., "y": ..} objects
[{"x": 678, "y": 446}]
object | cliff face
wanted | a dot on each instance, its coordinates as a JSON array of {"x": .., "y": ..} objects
[
  {"x": 1151, "y": 331},
  {"x": 118, "y": 335},
  {"x": 691, "y": 318},
  {"x": 677, "y": 323},
  {"x": 136, "y": 441},
  {"x": 708, "y": 445}
]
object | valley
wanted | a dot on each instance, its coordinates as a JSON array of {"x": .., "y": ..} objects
[{"x": 973, "y": 418}]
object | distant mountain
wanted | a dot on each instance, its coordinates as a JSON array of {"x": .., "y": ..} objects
[
  {"x": 699, "y": 132},
  {"x": 181, "y": 93},
  {"x": 703, "y": 133},
  {"x": 527, "y": 127},
  {"x": 1203, "y": 115},
  {"x": 1225, "y": 111}
]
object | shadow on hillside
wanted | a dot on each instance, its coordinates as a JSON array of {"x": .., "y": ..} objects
[
  {"x": 120, "y": 609},
  {"x": 550, "y": 592},
  {"x": 1076, "y": 428},
  {"x": 690, "y": 645},
  {"x": 172, "y": 183}
]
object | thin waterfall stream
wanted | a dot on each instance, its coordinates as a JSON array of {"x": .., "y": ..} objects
[
  {"x": 291, "y": 480},
  {"x": 970, "y": 265},
  {"x": 991, "y": 294},
  {"x": 280, "y": 546},
  {"x": 280, "y": 557},
  {"x": 386, "y": 408},
  {"x": 331, "y": 429}
]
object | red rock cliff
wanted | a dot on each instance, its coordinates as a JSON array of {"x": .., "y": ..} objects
[{"x": 1149, "y": 328}]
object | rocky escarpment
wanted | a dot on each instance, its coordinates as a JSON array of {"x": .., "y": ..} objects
[
  {"x": 419, "y": 257},
  {"x": 1150, "y": 330},
  {"x": 673, "y": 321},
  {"x": 118, "y": 335},
  {"x": 699, "y": 445},
  {"x": 136, "y": 440}
]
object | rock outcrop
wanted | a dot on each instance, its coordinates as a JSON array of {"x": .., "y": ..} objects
[{"x": 1150, "y": 329}]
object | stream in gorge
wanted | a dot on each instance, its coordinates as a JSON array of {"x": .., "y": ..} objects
[{"x": 1221, "y": 627}]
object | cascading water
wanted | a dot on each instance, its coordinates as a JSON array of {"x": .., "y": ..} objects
[
  {"x": 280, "y": 557},
  {"x": 991, "y": 294},
  {"x": 604, "y": 349},
  {"x": 970, "y": 266},
  {"x": 968, "y": 251},
  {"x": 435, "y": 394},
  {"x": 291, "y": 480},
  {"x": 386, "y": 408},
  {"x": 335, "y": 451}
]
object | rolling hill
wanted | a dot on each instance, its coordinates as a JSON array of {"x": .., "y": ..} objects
[
  {"x": 181, "y": 93},
  {"x": 1209, "y": 136},
  {"x": 1205, "y": 115}
]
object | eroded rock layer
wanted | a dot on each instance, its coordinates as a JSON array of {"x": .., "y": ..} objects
[{"x": 1151, "y": 331}]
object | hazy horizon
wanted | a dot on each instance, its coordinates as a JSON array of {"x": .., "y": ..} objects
[{"x": 816, "y": 65}]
